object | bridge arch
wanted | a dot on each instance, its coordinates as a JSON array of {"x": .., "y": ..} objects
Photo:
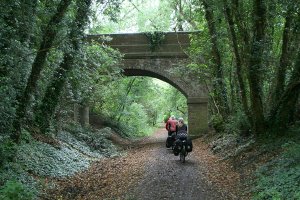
[
  {"x": 143, "y": 72},
  {"x": 163, "y": 63}
]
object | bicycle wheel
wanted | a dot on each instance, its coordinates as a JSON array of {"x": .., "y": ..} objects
[{"x": 182, "y": 154}]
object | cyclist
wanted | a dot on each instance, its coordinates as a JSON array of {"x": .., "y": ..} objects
[
  {"x": 181, "y": 128},
  {"x": 171, "y": 125},
  {"x": 181, "y": 134}
]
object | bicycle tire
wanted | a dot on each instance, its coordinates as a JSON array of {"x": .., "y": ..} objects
[{"x": 182, "y": 154}]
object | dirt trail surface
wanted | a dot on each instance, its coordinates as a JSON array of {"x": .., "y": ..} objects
[{"x": 151, "y": 171}]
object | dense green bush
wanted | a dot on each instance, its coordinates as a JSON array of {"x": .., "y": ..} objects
[
  {"x": 6, "y": 105},
  {"x": 16, "y": 171},
  {"x": 14, "y": 190},
  {"x": 134, "y": 121},
  {"x": 7, "y": 150},
  {"x": 118, "y": 127},
  {"x": 237, "y": 124},
  {"x": 136, "y": 118},
  {"x": 217, "y": 122}
]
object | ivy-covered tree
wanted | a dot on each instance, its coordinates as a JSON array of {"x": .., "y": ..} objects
[
  {"x": 54, "y": 89},
  {"x": 49, "y": 35}
]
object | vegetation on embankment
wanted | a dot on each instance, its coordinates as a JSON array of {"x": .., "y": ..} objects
[
  {"x": 27, "y": 169},
  {"x": 279, "y": 178},
  {"x": 269, "y": 166}
]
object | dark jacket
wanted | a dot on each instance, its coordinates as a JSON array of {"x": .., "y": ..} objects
[
  {"x": 181, "y": 132},
  {"x": 183, "y": 128}
]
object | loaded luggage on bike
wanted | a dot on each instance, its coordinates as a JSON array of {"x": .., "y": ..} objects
[
  {"x": 182, "y": 139},
  {"x": 183, "y": 146},
  {"x": 171, "y": 140}
]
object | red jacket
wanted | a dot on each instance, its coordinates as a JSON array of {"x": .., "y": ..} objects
[{"x": 171, "y": 125}]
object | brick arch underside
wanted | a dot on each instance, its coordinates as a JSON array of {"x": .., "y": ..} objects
[{"x": 143, "y": 72}]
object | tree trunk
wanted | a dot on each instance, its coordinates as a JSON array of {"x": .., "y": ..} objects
[
  {"x": 129, "y": 87},
  {"x": 243, "y": 31},
  {"x": 255, "y": 66},
  {"x": 239, "y": 64},
  {"x": 179, "y": 18},
  {"x": 76, "y": 112},
  {"x": 219, "y": 85},
  {"x": 284, "y": 59},
  {"x": 48, "y": 37},
  {"x": 55, "y": 87},
  {"x": 286, "y": 106},
  {"x": 84, "y": 113},
  {"x": 53, "y": 92}
]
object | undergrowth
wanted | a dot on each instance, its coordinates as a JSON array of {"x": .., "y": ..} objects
[
  {"x": 279, "y": 179},
  {"x": 129, "y": 129},
  {"x": 26, "y": 167},
  {"x": 15, "y": 190},
  {"x": 275, "y": 158}
]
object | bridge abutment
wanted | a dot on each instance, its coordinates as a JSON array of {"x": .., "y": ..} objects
[{"x": 197, "y": 116}]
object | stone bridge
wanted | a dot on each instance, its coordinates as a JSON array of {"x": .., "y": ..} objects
[{"x": 165, "y": 60}]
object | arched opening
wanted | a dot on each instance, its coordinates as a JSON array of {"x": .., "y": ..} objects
[
  {"x": 138, "y": 105},
  {"x": 197, "y": 110},
  {"x": 143, "y": 72}
]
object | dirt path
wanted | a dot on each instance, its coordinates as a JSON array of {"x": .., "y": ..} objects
[
  {"x": 167, "y": 178},
  {"x": 150, "y": 171}
]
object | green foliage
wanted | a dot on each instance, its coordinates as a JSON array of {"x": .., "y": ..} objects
[
  {"x": 14, "y": 172},
  {"x": 77, "y": 149},
  {"x": 14, "y": 190},
  {"x": 137, "y": 119},
  {"x": 26, "y": 136},
  {"x": 279, "y": 178},
  {"x": 134, "y": 15},
  {"x": 166, "y": 117},
  {"x": 127, "y": 106},
  {"x": 90, "y": 142},
  {"x": 7, "y": 151},
  {"x": 134, "y": 105},
  {"x": 11, "y": 170},
  {"x": 112, "y": 9},
  {"x": 217, "y": 122},
  {"x": 46, "y": 160},
  {"x": 174, "y": 103},
  {"x": 155, "y": 39},
  {"x": 153, "y": 16},
  {"x": 98, "y": 66},
  {"x": 7, "y": 110},
  {"x": 16, "y": 25},
  {"x": 237, "y": 123}
]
